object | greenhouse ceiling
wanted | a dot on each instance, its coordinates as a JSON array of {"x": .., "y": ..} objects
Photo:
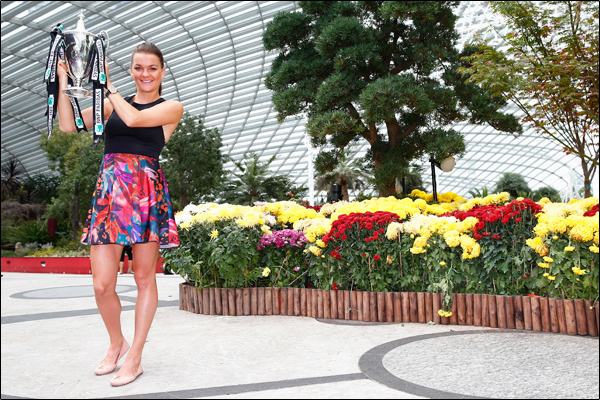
[{"x": 216, "y": 65}]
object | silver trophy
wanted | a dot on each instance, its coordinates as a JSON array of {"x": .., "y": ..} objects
[{"x": 79, "y": 44}]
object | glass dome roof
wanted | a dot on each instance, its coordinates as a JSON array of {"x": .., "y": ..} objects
[{"x": 216, "y": 66}]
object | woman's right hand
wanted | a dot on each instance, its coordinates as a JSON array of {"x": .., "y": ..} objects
[{"x": 61, "y": 70}]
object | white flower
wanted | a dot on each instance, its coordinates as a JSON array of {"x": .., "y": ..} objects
[
  {"x": 182, "y": 218},
  {"x": 191, "y": 208}
]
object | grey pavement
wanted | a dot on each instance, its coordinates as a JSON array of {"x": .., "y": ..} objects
[{"x": 53, "y": 338}]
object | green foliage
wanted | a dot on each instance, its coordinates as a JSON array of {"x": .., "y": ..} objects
[
  {"x": 228, "y": 260},
  {"x": 347, "y": 171},
  {"x": 75, "y": 158},
  {"x": 355, "y": 66},
  {"x": 483, "y": 192},
  {"x": 192, "y": 161},
  {"x": 253, "y": 182},
  {"x": 39, "y": 189},
  {"x": 547, "y": 191},
  {"x": 12, "y": 176},
  {"x": 506, "y": 264},
  {"x": 549, "y": 70},
  {"x": 413, "y": 180},
  {"x": 13, "y": 212},
  {"x": 512, "y": 183},
  {"x": 29, "y": 232}
]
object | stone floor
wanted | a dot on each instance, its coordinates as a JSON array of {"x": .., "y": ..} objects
[{"x": 53, "y": 338}]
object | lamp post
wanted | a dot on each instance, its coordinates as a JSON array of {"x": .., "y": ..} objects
[{"x": 447, "y": 165}]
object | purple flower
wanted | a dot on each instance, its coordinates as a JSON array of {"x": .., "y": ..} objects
[
  {"x": 297, "y": 269},
  {"x": 286, "y": 237}
]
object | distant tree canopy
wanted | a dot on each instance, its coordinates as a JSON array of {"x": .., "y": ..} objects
[
  {"x": 352, "y": 67},
  {"x": 549, "y": 192},
  {"x": 76, "y": 160},
  {"x": 549, "y": 70},
  {"x": 512, "y": 183},
  {"x": 192, "y": 162},
  {"x": 254, "y": 181}
]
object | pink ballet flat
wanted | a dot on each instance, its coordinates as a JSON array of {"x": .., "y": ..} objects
[
  {"x": 124, "y": 380},
  {"x": 107, "y": 369}
]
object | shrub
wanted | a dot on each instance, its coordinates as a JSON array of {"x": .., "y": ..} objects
[{"x": 512, "y": 183}]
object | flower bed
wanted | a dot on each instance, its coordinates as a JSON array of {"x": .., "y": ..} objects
[
  {"x": 542, "y": 314},
  {"x": 488, "y": 245}
]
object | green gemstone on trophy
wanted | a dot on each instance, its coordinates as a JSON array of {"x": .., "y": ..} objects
[
  {"x": 79, "y": 122},
  {"x": 98, "y": 128}
]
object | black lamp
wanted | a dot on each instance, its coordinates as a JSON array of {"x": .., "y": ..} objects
[{"x": 447, "y": 165}]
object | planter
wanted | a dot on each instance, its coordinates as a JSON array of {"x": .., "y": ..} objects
[
  {"x": 53, "y": 265},
  {"x": 573, "y": 317}
]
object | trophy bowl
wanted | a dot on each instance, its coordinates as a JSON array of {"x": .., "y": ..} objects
[{"x": 79, "y": 44}]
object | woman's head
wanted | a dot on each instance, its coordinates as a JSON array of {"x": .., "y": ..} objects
[{"x": 147, "y": 67}]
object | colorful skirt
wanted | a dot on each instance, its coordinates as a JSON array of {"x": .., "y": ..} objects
[{"x": 131, "y": 204}]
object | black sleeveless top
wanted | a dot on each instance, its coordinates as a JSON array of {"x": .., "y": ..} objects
[{"x": 119, "y": 138}]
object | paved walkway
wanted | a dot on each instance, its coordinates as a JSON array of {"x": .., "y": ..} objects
[{"x": 53, "y": 338}]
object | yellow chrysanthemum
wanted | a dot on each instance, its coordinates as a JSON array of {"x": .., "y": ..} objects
[
  {"x": 594, "y": 249},
  {"x": 421, "y": 241},
  {"x": 315, "y": 250},
  {"x": 417, "y": 250},
  {"x": 452, "y": 238},
  {"x": 214, "y": 234},
  {"x": 569, "y": 248},
  {"x": 578, "y": 271},
  {"x": 548, "y": 259}
]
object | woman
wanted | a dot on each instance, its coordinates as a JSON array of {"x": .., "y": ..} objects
[
  {"x": 131, "y": 204},
  {"x": 126, "y": 251}
]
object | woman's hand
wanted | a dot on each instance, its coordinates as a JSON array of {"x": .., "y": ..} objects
[{"x": 61, "y": 70}]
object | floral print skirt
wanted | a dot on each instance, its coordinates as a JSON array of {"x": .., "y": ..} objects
[{"x": 131, "y": 204}]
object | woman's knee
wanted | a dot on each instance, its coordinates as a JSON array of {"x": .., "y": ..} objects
[
  {"x": 104, "y": 287},
  {"x": 145, "y": 280}
]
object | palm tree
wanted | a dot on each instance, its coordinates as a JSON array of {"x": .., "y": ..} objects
[
  {"x": 412, "y": 180},
  {"x": 254, "y": 182},
  {"x": 346, "y": 172},
  {"x": 12, "y": 171},
  {"x": 475, "y": 192}
]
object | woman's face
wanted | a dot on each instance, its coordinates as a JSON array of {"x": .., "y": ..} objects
[{"x": 146, "y": 72}]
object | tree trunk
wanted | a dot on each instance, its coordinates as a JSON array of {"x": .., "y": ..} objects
[
  {"x": 344, "y": 184},
  {"x": 587, "y": 177},
  {"x": 183, "y": 201},
  {"x": 389, "y": 190}
]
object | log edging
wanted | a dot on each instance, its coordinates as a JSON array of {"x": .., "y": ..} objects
[{"x": 572, "y": 317}]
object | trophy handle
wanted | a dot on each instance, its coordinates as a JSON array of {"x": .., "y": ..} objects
[{"x": 104, "y": 35}]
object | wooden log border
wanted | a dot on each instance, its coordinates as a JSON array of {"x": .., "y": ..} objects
[{"x": 572, "y": 317}]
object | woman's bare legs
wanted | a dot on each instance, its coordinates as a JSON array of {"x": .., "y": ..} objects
[
  {"x": 105, "y": 263},
  {"x": 146, "y": 255}
]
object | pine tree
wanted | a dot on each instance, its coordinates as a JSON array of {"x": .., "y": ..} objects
[{"x": 354, "y": 67}]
